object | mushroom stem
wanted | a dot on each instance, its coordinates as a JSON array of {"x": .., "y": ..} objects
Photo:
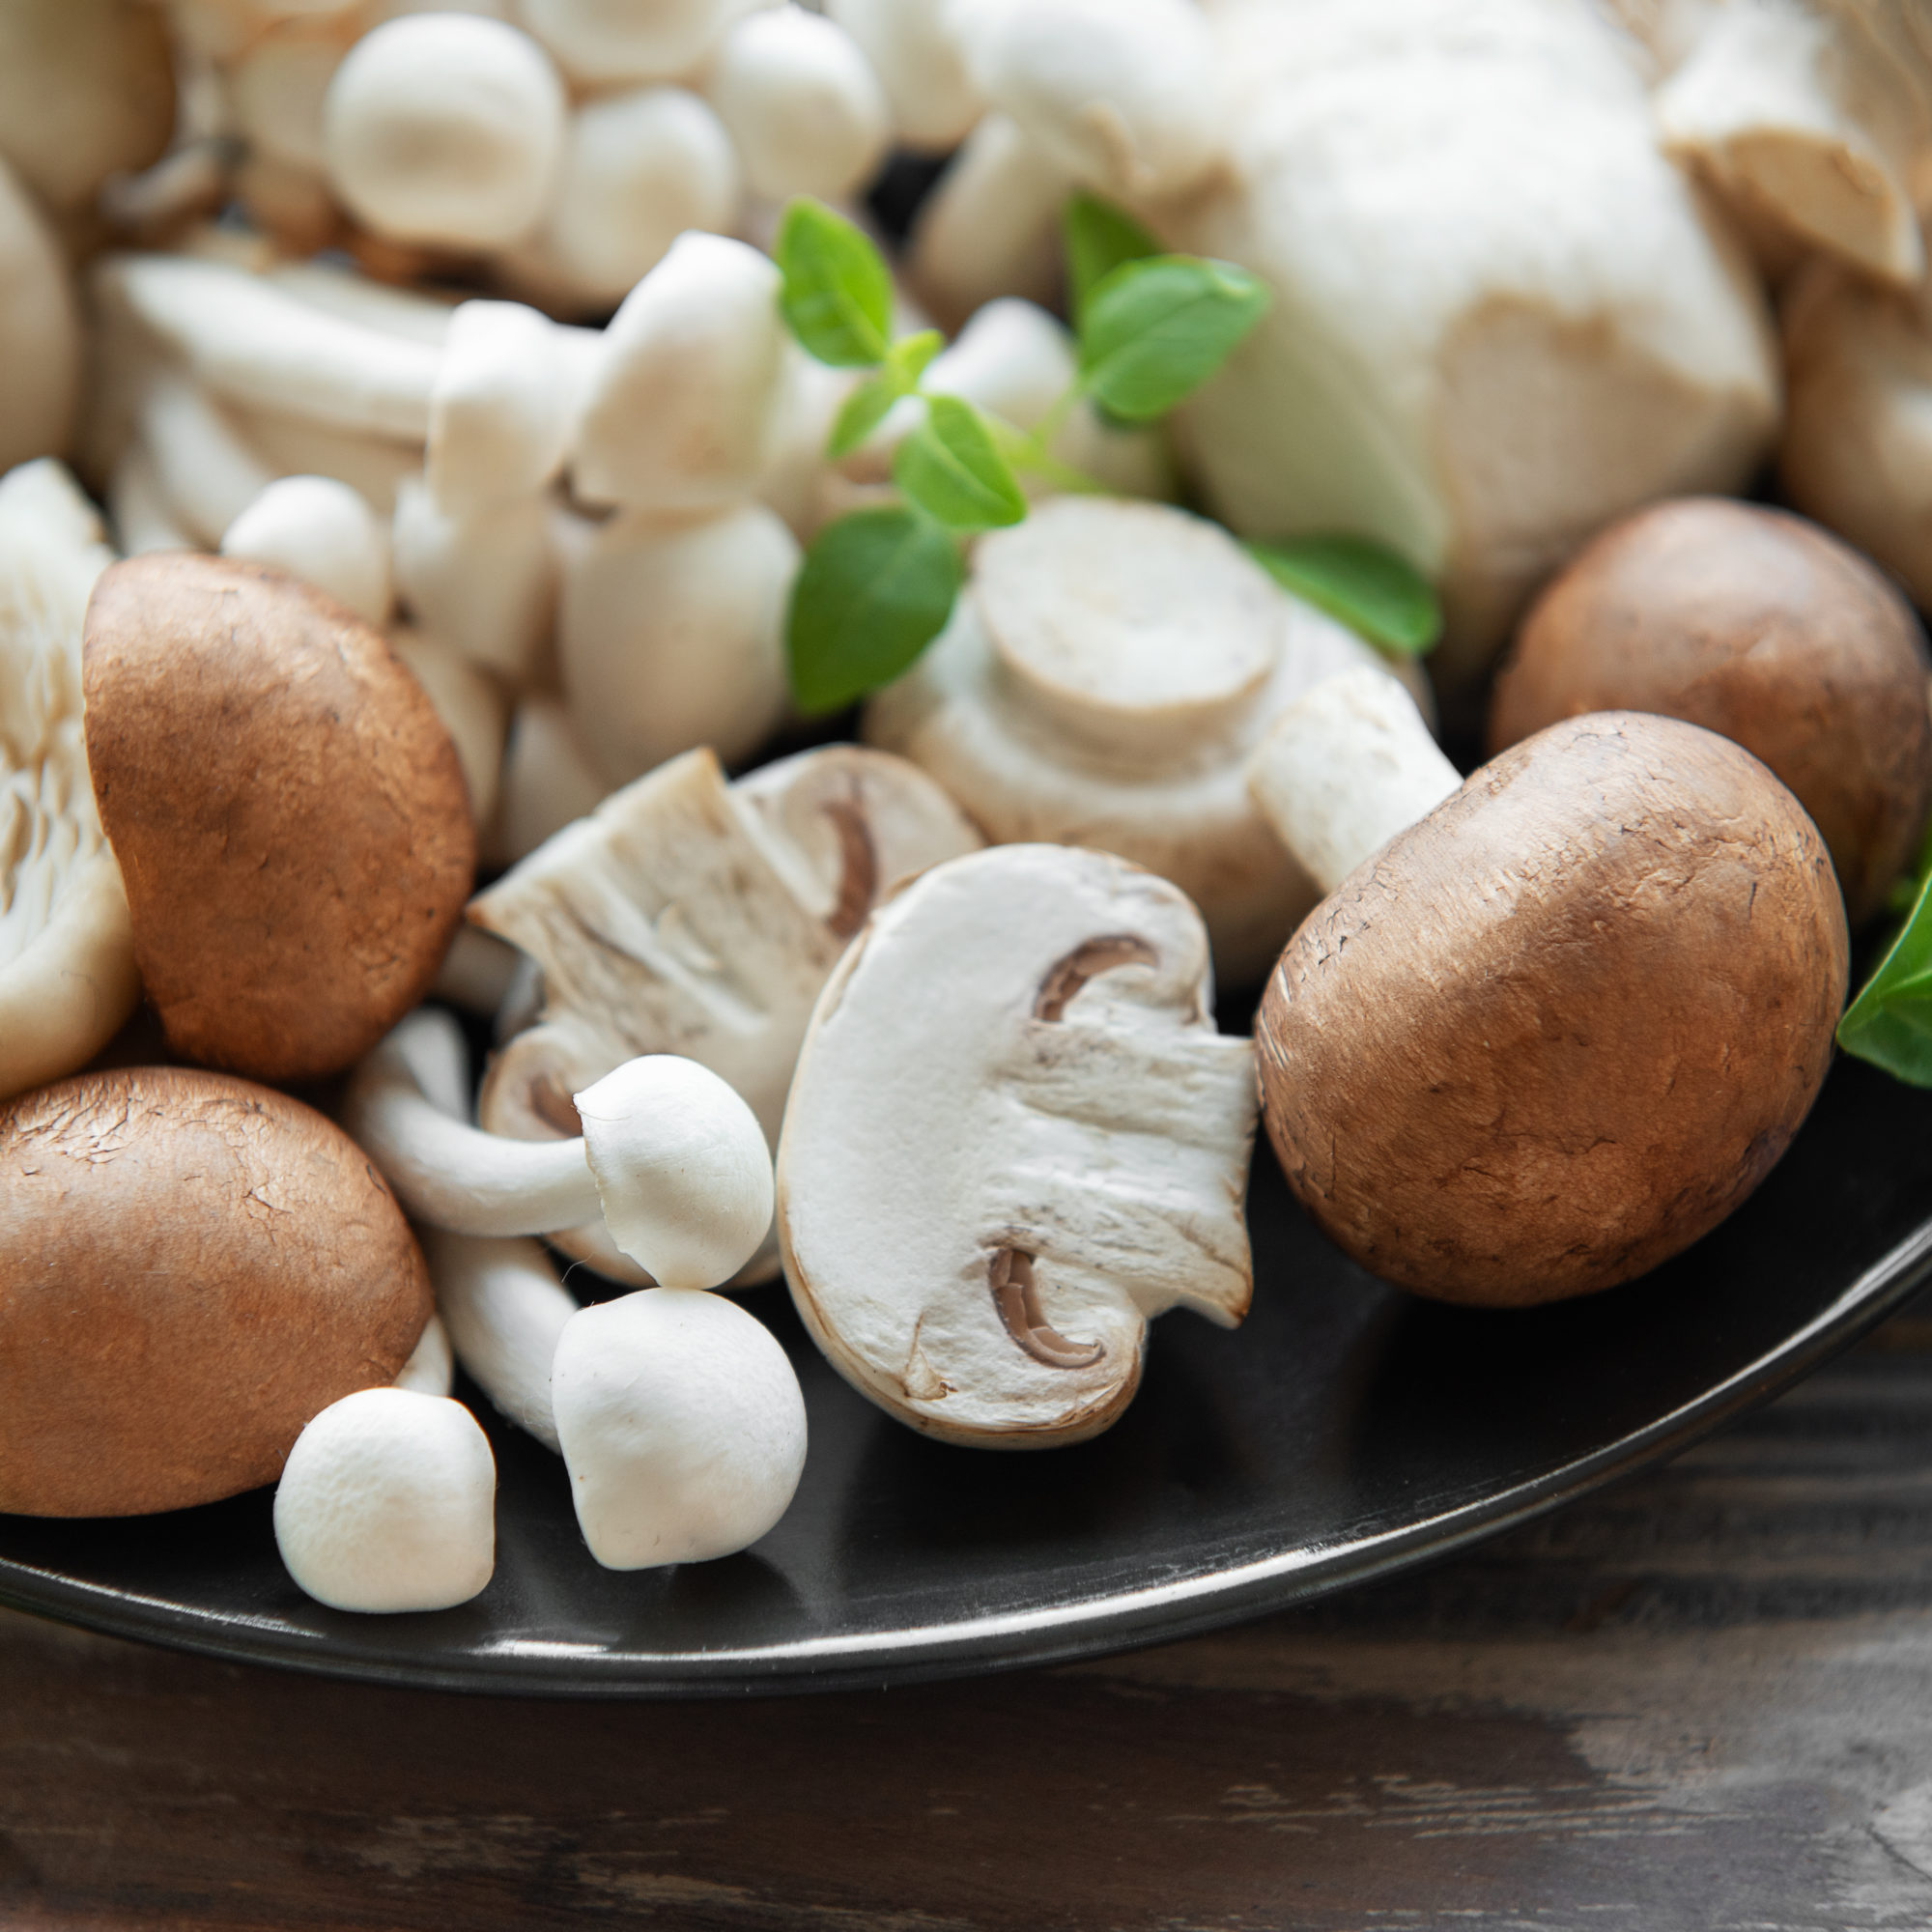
[{"x": 1346, "y": 766}]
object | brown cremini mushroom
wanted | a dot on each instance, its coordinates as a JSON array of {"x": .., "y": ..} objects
[
  {"x": 190, "y": 1269},
  {"x": 1551, "y": 1034},
  {"x": 1763, "y": 628},
  {"x": 288, "y": 813}
]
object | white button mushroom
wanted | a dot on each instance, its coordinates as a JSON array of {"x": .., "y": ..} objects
[
  {"x": 499, "y": 415},
  {"x": 670, "y": 1156},
  {"x": 683, "y": 403},
  {"x": 704, "y": 915},
  {"x": 1122, "y": 94},
  {"x": 1103, "y": 679},
  {"x": 682, "y": 1424},
  {"x": 387, "y": 1503},
  {"x": 670, "y": 634},
  {"x": 1014, "y": 1137},
  {"x": 323, "y": 532},
  {"x": 916, "y": 50},
  {"x": 605, "y": 40},
  {"x": 803, "y": 107},
  {"x": 445, "y": 129},
  {"x": 638, "y": 170}
]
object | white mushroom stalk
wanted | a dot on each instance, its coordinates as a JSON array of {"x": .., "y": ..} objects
[
  {"x": 1013, "y": 1138},
  {"x": 1348, "y": 765},
  {"x": 669, "y": 1156}
]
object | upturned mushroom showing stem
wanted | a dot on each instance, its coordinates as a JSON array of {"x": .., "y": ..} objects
[
  {"x": 670, "y": 1156},
  {"x": 1546, "y": 1037}
]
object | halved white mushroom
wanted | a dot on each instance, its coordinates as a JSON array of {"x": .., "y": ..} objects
[
  {"x": 67, "y": 951},
  {"x": 694, "y": 916},
  {"x": 1103, "y": 682},
  {"x": 1013, "y": 1138},
  {"x": 669, "y": 1156}
]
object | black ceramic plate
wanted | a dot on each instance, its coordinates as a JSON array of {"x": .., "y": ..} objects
[{"x": 1345, "y": 1431}]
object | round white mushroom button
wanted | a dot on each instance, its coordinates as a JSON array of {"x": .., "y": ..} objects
[{"x": 387, "y": 1502}]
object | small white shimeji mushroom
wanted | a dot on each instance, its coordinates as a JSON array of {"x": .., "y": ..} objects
[
  {"x": 601, "y": 42},
  {"x": 1014, "y": 1137},
  {"x": 682, "y": 1424},
  {"x": 500, "y": 410},
  {"x": 915, "y": 50},
  {"x": 387, "y": 1503},
  {"x": 321, "y": 530},
  {"x": 670, "y": 1157}
]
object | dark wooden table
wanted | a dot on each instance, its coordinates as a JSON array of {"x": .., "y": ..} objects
[{"x": 1702, "y": 1700}]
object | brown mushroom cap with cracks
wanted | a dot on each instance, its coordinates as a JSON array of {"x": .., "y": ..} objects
[
  {"x": 1547, "y": 1037},
  {"x": 693, "y": 917},
  {"x": 1103, "y": 682},
  {"x": 1014, "y": 1138},
  {"x": 1763, "y": 628}
]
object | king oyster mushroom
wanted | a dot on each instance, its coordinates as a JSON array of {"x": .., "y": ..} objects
[
  {"x": 1103, "y": 682},
  {"x": 695, "y": 917},
  {"x": 1013, "y": 1137}
]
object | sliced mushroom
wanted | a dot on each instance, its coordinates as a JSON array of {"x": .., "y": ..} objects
[
  {"x": 693, "y": 917},
  {"x": 1103, "y": 682},
  {"x": 1014, "y": 1137},
  {"x": 67, "y": 950}
]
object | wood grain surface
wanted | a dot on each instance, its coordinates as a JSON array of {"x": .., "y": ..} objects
[{"x": 1702, "y": 1700}]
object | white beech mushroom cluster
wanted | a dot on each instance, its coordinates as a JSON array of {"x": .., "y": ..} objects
[{"x": 444, "y": 347}]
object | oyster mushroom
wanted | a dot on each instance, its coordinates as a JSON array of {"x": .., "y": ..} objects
[
  {"x": 1103, "y": 682},
  {"x": 1546, "y": 1037},
  {"x": 1013, "y": 1138},
  {"x": 67, "y": 950},
  {"x": 691, "y": 915}
]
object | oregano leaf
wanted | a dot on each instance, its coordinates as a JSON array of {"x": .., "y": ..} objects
[
  {"x": 837, "y": 293},
  {"x": 952, "y": 468},
  {"x": 1372, "y": 589},
  {"x": 874, "y": 589},
  {"x": 1154, "y": 331},
  {"x": 1099, "y": 237}
]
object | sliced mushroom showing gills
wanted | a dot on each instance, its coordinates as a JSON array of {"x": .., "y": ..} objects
[
  {"x": 1553, "y": 1023},
  {"x": 697, "y": 917},
  {"x": 1014, "y": 1138}
]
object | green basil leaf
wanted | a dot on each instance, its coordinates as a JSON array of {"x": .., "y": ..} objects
[
  {"x": 836, "y": 295},
  {"x": 875, "y": 588},
  {"x": 1099, "y": 237},
  {"x": 1367, "y": 586},
  {"x": 907, "y": 359},
  {"x": 1154, "y": 331},
  {"x": 951, "y": 468},
  {"x": 1890, "y": 1022},
  {"x": 869, "y": 405}
]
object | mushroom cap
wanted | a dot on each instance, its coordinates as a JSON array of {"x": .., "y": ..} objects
[
  {"x": 190, "y": 1267},
  {"x": 1013, "y": 1137},
  {"x": 682, "y": 1425},
  {"x": 1759, "y": 626},
  {"x": 387, "y": 1502},
  {"x": 683, "y": 1170},
  {"x": 322, "y": 532},
  {"x": 1552, "y": 1034},
  {"x": 288, "y": 813}
]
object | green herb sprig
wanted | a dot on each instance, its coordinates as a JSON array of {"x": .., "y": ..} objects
[
  {"x": 878, "y": 586},
  {"x": 1890, "y": 1021}
]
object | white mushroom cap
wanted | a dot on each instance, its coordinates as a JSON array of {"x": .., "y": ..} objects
[
  {"x": 1122, "y": 94},
  {"x": 1013, "y": 1137},
  {"x": 504, "y": 1310},
  {"x": 801, "y": 104},
  {"x": 602, "y": 40},
  {"x": 499, "y": 415},
  {"x": 683, "y": 1170},
  {"x": 431, "y": 1369},
  {"x": 445, "y": 129},
  {"x": 321, "y": 530},
  {"x": 670, "y": 634},
  {"x": 684, "y": 408},
  {"x": 277, "y": 89},
  {"x": 638, "y": 170},
  {"x": 682, "y": 1425},
  {"x": 915, "y": 48},
  {"x": 387, "y": 1502}
]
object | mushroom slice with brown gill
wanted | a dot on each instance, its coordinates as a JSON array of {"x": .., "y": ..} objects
[
  {"x": 67, "y": 951},
  {"x": 691, "y": 916},
  {"x": 1013, "y": 1138}
]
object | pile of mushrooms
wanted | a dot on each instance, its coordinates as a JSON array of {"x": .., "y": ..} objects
[{"x": 461, "y": 463}]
